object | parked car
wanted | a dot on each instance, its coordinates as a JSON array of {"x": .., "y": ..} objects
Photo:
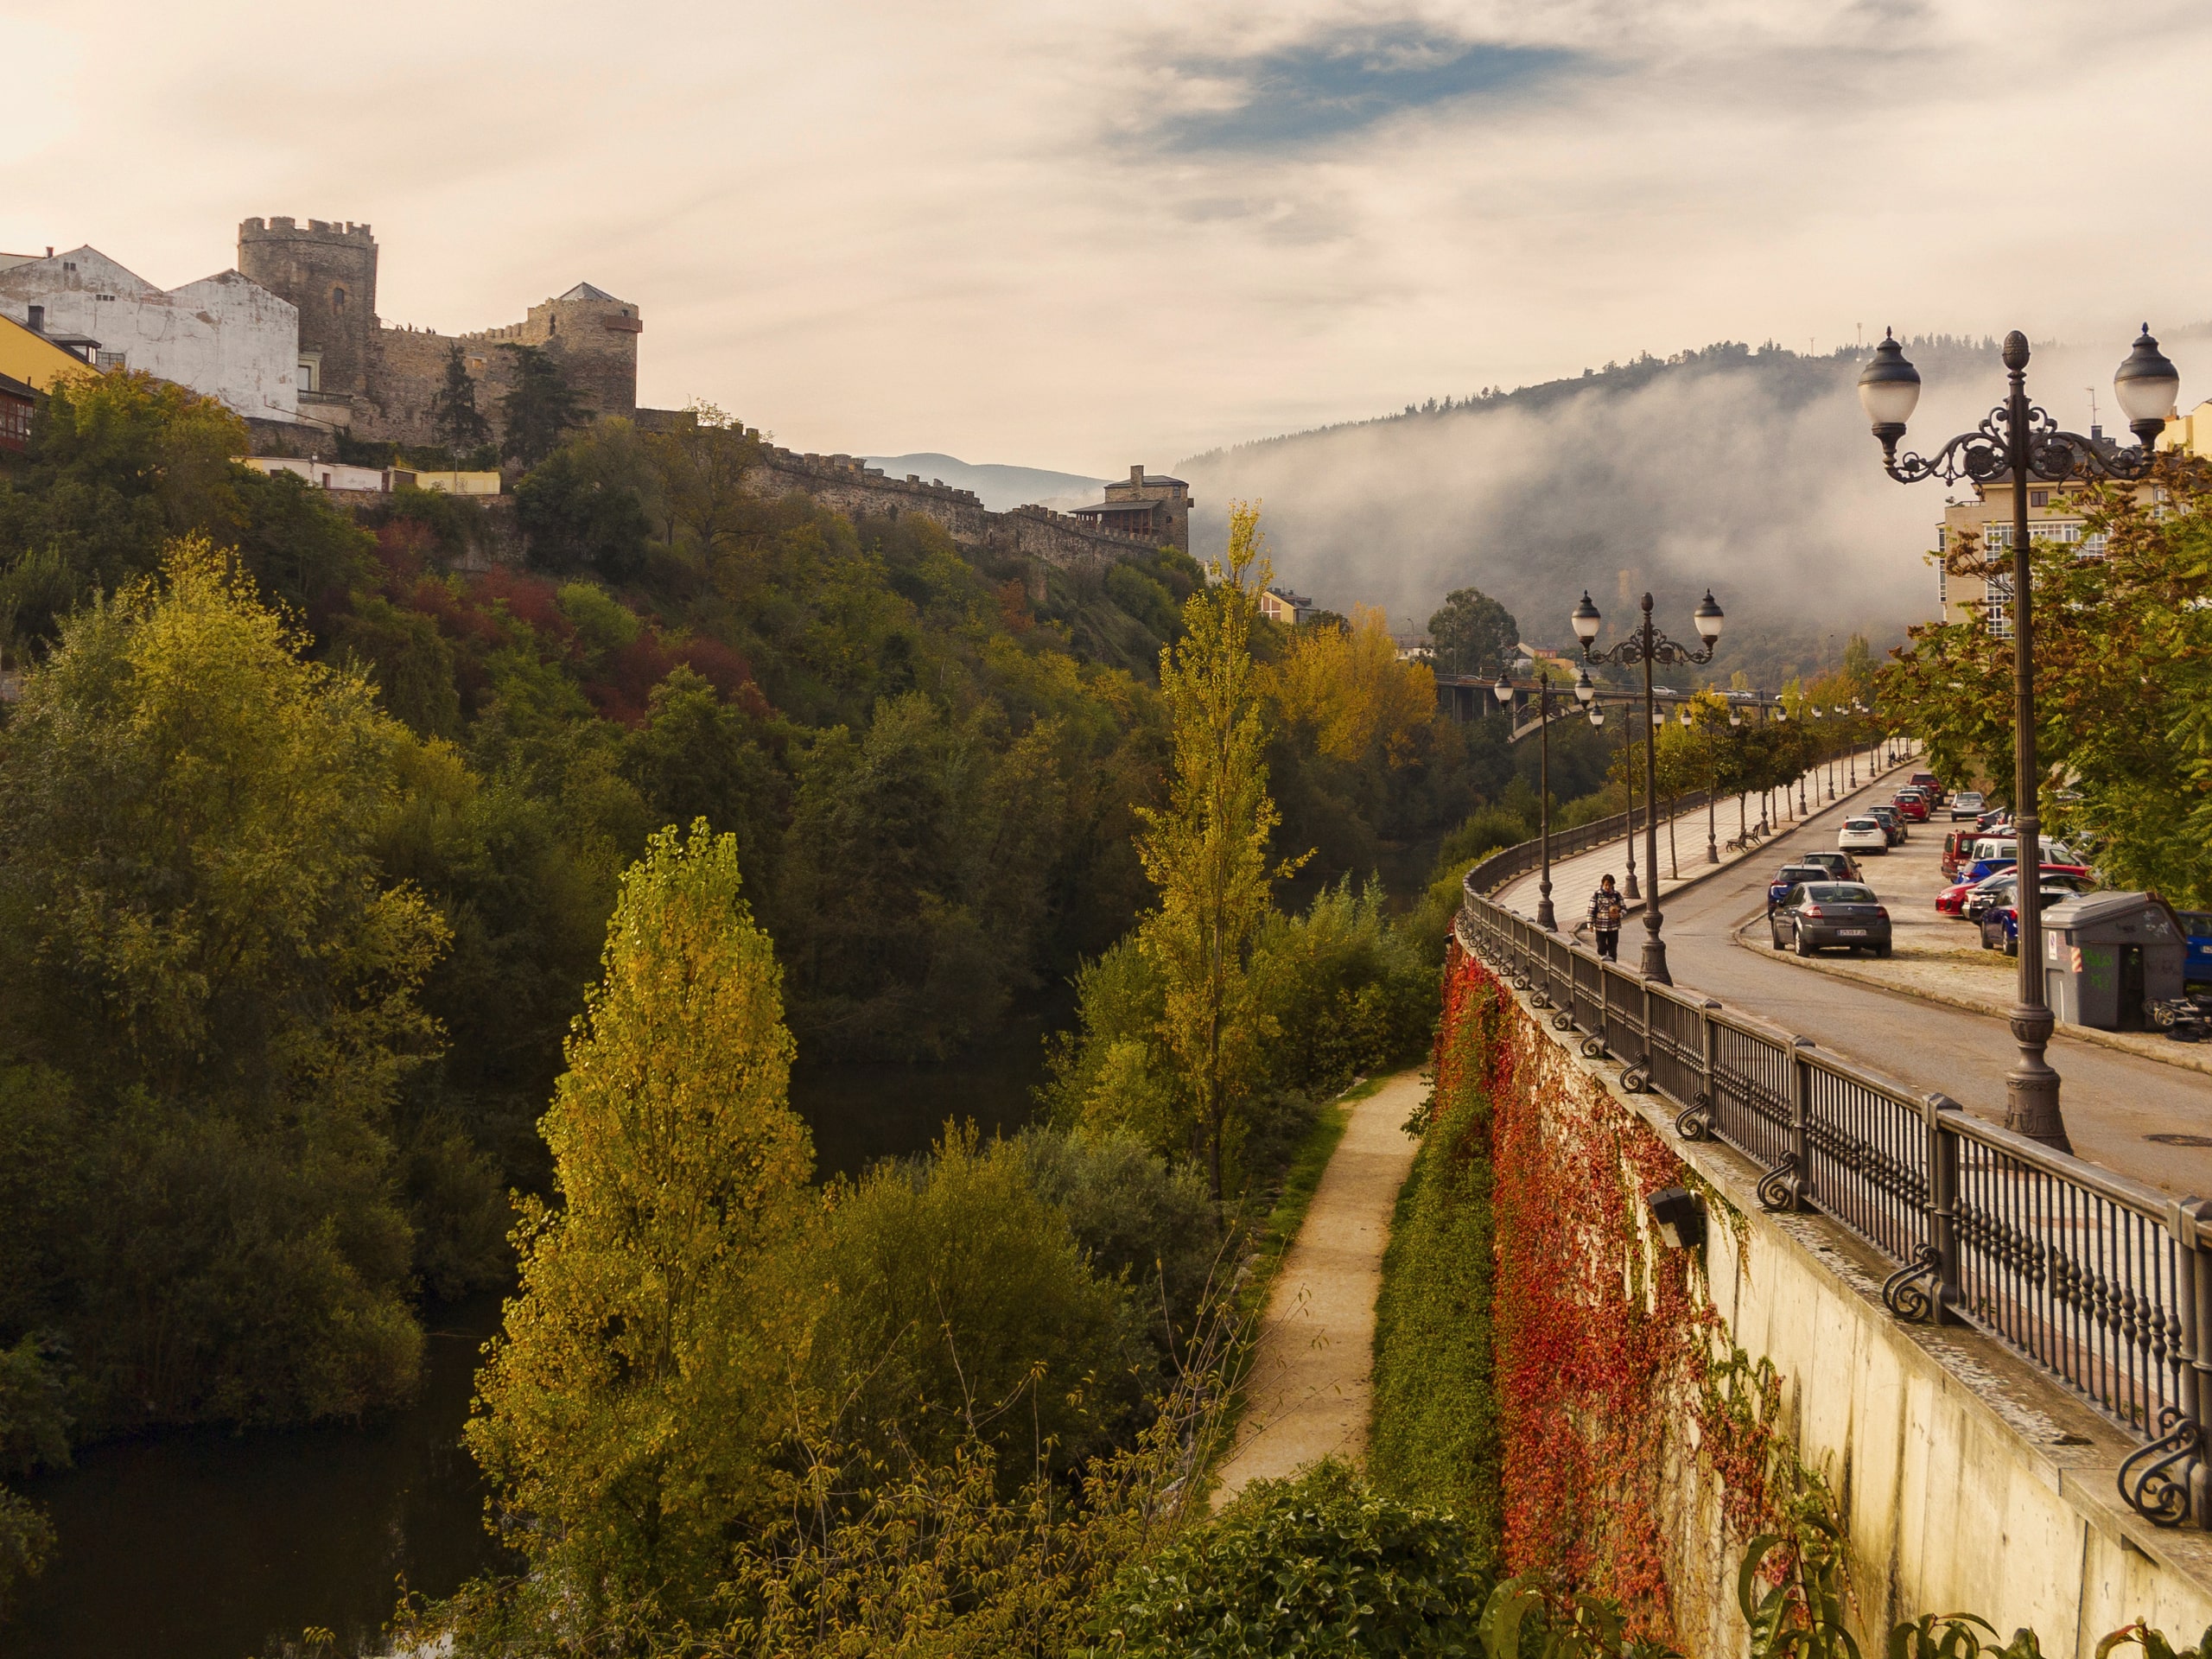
[
  {"x": 1997, "y": 892},
  {"x": 1957, "y": 845},
  {"x": 1790, "y": 876},
  {"x": 1817, "y": 914},
  {"x": 1966, "y": 803},
  {"x": 1862, "y": 835},
  {"x": 1995, "y": 853},
  {"x": 2198, "y": 926},
  {"x": 1840, "y": 866},
  {"x": 1926, "y": 780},
  {"x": 1892, "y": 820},
  {"x": 2000, "y": 923},
  {"x": 1912, "y": 806}
]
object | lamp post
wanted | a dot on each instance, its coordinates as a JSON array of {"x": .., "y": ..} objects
[
  {"x": 1546, "y": 917},
  {"x": 2019, "y": 444},
  {"x": 1648, "y": 647}
]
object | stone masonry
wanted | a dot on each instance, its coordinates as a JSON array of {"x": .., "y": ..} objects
[
  {"x": 1037, "y": 534},
  {"x": 377, "y": 380}
]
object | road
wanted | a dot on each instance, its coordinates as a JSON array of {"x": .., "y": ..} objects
[{"x": 2112, "y": 1101}]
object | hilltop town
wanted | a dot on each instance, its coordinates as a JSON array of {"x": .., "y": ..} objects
[{"x": 290, "y": 340}]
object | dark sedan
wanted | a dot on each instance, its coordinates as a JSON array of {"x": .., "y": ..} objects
[
  {"x": 1792, "y": 876},
  {"x": 1818, "y": 914}
]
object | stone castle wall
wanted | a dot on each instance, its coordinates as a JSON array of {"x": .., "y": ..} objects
[
  {"x": 378, "y": 380},
  {"x": 1037, "y": 534}
]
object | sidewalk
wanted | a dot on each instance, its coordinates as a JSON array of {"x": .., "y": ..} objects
[
  {"x": 1313, "y": 1374},
  {"x": 1574, "y": 879}
]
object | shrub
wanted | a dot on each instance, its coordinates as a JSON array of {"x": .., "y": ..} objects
[
  {"x": 1433, "y": 1436},
  {"x": 1318, "y": 1566}
]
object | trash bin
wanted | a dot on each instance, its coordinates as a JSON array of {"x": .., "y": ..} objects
[{"x": 2108, "y": 956}]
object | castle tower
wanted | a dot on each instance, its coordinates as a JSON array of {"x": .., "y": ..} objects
[
  {"x": 328, "y": 271},
  {"x": 595, "y": 337}
]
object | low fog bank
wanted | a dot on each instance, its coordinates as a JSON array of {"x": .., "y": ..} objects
[{"x": 1751, "y": 472}]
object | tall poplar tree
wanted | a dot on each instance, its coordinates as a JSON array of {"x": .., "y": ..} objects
[
  {"x": 621, "y": 1416},
  {"x": 1206, "y": 851}
]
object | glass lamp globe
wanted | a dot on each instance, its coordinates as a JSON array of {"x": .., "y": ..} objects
[
  {"x": 1597, "y": 717},
  {"x": 1709, "y": 619},
  {"x": 1503, "y": 690},
  {"x": 1585, "y": 618},
  {"x": 1889, "y": 389},
  {"x": 2147, "y": 386},
  {"x": 1585, "y": 687}
]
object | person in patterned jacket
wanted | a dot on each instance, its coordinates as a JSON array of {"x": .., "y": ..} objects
[{"x": 1605, "y": 912}]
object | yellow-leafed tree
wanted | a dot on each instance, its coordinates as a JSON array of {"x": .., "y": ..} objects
[
  {"x": 1206, "y": 851},
  {"x": 1347, "y": 688},
  {"x": 622, "y": 1412}
]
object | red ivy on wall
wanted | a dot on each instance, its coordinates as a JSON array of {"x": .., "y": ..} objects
[{"x": 1607, "y": 1348}]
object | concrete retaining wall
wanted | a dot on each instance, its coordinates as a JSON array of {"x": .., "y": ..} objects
[{"x": 1965, "y": 1480}]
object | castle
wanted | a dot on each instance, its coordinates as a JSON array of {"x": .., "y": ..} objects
[{"x": 371, "y": 379}]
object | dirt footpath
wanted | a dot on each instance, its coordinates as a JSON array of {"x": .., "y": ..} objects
[{"x": 1313, "y": 1371}]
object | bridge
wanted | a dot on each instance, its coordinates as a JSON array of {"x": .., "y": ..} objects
[{"x": 1468, "y": 696}]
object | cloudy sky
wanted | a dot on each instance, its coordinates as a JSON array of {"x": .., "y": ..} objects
[{"x": 1071, "y": 236}]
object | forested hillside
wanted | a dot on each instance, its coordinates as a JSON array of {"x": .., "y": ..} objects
[
  {"x": 1746, "y": 469},
  {"x": 311, "y": 827}
]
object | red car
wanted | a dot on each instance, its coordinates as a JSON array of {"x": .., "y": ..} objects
[
  {"x": 1951, "y": 901},
  {"x": 1910, "y": 804}
]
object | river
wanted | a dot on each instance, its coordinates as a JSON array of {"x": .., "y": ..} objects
[{"x": 211, "y": 1545}]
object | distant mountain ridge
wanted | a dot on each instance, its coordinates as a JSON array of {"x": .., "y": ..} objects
[
  {"x": 1751, "y": 470},
  {"x": 1000, "y": 488}
]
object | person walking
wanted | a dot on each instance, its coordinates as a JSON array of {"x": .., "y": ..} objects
[{"x": 1606, "y": 909}]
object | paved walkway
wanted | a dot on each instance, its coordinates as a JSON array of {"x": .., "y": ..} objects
[{"x": 1307, "y": 1395}]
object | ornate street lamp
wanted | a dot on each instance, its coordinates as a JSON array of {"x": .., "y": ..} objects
[
  {"x": 2019, "y": 444},
  {"x": 1648, "y": 647},
  {"x": 1546, "y": 917}
]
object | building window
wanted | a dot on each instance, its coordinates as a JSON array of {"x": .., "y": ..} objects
[
  {"x": 1998, "y": 607},
  {"x": 338, "y": 301},
  {"x": 310, "y": 372},
  {"x": 2038, "y": 498}
]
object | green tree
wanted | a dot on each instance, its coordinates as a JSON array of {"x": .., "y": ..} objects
[
  {"x": 582, "y": 507},
  {"x": 624, "y": 1410},
  {"x": 1206, "y": 850},
  {"x": 455, "y": 417},
  {"x": 1472, "y": 634},
  {"x": 2123, "y": 694},
  {"x": 195, "y": 934},
  {"x": 538, "y": 408}
]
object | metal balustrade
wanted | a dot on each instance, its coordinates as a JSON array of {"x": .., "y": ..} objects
[{"x": 2102, "y": 1282}]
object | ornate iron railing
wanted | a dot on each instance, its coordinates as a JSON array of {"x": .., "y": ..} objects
[{"x": 2101, "y": 1281}]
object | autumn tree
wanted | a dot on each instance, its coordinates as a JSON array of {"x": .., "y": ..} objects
[
  {"x": 2123, "y": 665},
  {"x": 623, "y": 1408},
  {"x": 1346, "y": 689},
  {"x": 1206, "y": 850}
]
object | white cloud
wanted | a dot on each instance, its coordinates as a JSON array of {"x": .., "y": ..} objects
[{"x": 885, "y": 228}]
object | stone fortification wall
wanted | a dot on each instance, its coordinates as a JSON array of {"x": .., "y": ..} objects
[
  {"x": 377, "y": 380},
  {"x": 1962, "y": 1479},
  {"x": 1036, "y": 535},
  {"x": 328, "y": 270}
]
